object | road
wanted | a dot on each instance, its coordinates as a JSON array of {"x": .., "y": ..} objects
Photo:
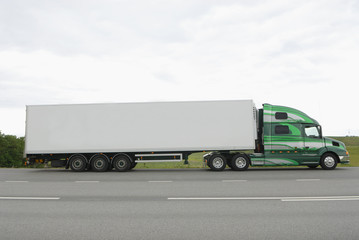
[{"x": 261, "y": 203}]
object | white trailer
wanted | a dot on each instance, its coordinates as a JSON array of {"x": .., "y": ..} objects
[{"x": 119, "y": 135}]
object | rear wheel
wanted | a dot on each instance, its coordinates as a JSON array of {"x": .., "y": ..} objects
[
  {"x": 329, "y": 161},
  {"x": 99, "y": 163},
  {"x": 78, "y": 163},
  {"x": 121, "y": 163},
  {"x": 217, "y": 162},
  {"x": 240, "y": 162}
]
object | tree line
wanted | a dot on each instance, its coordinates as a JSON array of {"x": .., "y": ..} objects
[{"x": 11, "y": 150}]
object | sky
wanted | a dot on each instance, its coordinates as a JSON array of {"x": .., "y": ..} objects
[{"x": 299, "y": 53}]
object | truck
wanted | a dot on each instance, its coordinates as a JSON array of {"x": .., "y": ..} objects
[{"x": 231, "y": 133}]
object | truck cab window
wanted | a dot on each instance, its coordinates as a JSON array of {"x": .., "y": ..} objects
[
  {"x": 311, "y": 131},
  {"x": 281, "y": 129}
]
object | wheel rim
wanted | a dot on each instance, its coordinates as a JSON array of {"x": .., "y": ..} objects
[
  {"x": 77, "y": 163},
  {"x": 121, "y": 163},
  {"x": 329, "y": 161},
  {"x": 240, "y": 162},
  {"x": 218, "y": 162},
  {"x": 99, "y": 163}
]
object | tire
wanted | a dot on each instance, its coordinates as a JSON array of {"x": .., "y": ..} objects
[
  {"x": 312, "y": 166},
  {"x": 133, "y": 164},
  {"x": 78, "y": 163},
  {"x": 121, "y": 163},
  {"x": 217, "y": 162},
  {"x": 329, "y": 161},
  {"x": 99, "y": 163},
  {"x": 240, "y": 162}
]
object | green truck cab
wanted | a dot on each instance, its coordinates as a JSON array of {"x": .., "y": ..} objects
[{"x": 289, "y": 137}]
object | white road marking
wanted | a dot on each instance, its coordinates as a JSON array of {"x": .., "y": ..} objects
[
  {"x": 283, "y": 199},
  {"x": 319, "y": 199},
  {"x": 29, "y": 198},
  {"x": 160, "y": 181},
  {"x": 87, "y": 181},
  {"x": 234, "y": 180},
  {"x": 307, "y": 180},
  {"x": 16, "y": 181},
  {"x": 224, "y": 198}
]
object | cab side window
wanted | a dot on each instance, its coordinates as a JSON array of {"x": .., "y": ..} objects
[
  {"x": 281, "y": 129},
  {"x": 311, "y": 131},
  {"x": 286, "y": 129}
]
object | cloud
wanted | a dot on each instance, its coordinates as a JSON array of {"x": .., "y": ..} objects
[{"x": 298, "y": 53}]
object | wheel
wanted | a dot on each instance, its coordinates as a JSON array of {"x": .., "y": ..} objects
[
  {"x": 329, "y": 161},
  {"x": 99, "y": 163},
  {"x": 240, "y": 162},
  {"x": 121, "y": 163},
  {"x": 313, "y": 166},
  {"x": 217, "y": 162},
  {"x": 133, "y": 164},
  {"x": 78, "y": 163}
]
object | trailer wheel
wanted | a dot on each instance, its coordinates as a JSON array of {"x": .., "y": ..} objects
[
  {"x": 329, "y": 161},
  {"x": 240, "y": 162},
  {"x": 133, "y": 164},
  {"x": 99, "y": 163},
  {"x": 78, "y": 163},
  {"x": 121, "y": 163},
  {"x": 217, "y": 162}
]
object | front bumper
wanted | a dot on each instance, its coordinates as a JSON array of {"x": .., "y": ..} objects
[{"x": 344, "y": 159}]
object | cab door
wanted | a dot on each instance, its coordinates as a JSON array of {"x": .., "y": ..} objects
[
  {"x": 313, "y": 143},
  {"x": 285, "y": 145}
]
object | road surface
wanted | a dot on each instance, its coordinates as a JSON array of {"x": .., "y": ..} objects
[{"x": 261, "y": 203}]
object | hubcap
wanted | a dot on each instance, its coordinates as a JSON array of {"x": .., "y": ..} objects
[
  {"x": 218, "y": 162},
  {"x": 99, "y": 163},
  {"x": 240, "y": 162},
  {"x": 329, "y": 161},
  {"x": 77, "y": 163},
  {"x": 121, "y": 163}
]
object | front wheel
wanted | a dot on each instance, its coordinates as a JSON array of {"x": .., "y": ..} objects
[
  {"x": 329, "y": 161},
  {"x": 217, "y": 162}
]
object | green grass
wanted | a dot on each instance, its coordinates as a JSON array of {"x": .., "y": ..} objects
[
  {"x": 354, "y": 156},
  {"x": 348, "y": 141},
  {"x": 352, "y": 144},
  {"x": 195, "y": 160}
]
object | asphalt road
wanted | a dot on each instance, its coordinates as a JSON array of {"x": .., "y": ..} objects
[{"x": 285, "y": 203}]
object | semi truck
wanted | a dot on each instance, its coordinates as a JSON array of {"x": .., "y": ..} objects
[{"x": 231, "y": 133}]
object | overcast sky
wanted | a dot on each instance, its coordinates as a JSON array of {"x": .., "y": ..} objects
[{"x": 302, "y": 54}]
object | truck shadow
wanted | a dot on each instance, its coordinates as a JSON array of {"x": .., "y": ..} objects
[{"x": 251, "y": 169}]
